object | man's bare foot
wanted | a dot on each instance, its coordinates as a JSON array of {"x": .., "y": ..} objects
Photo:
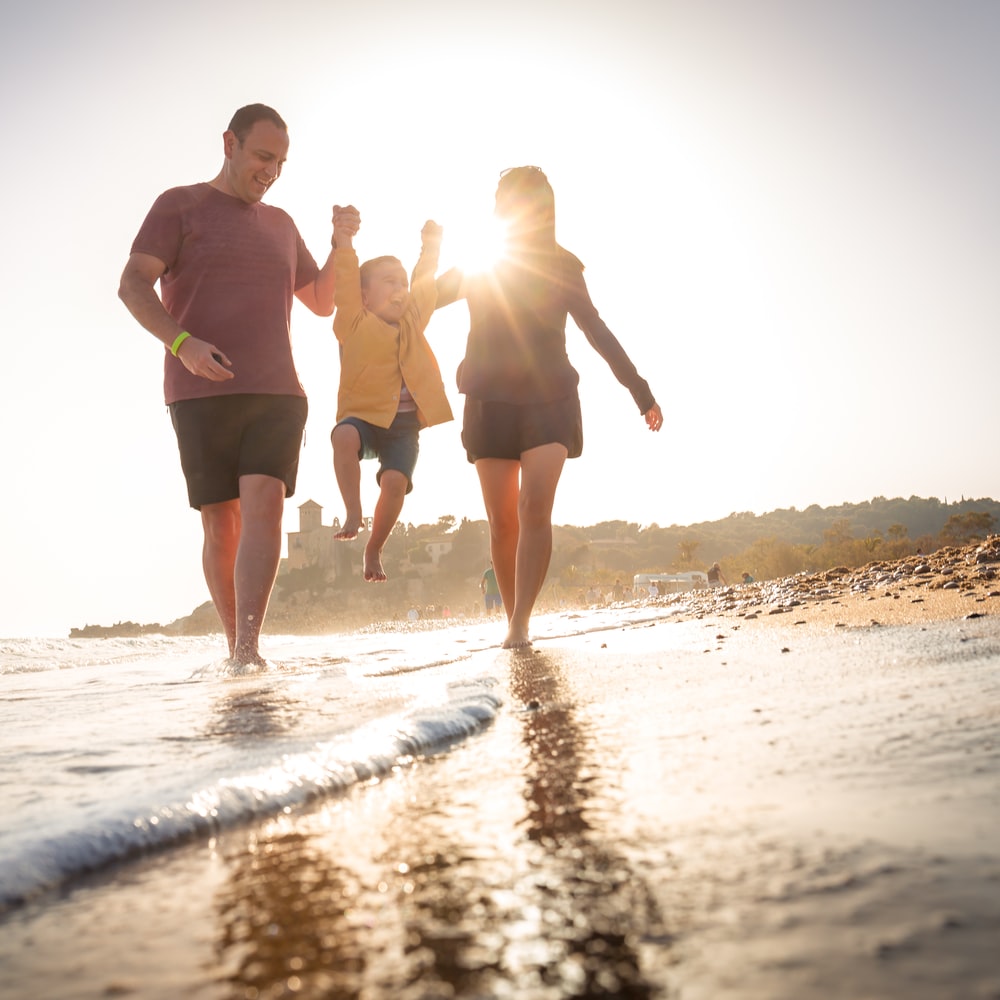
[
  {"x": 373, "y": 567},
  {"x": 352, "y": 522}
]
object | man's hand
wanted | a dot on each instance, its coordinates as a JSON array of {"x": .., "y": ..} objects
[
  {"x": 205, "y": 360},
  {"x": 346, "y": 222}
]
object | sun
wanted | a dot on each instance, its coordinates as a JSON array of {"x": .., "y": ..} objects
[{"x": 477, "y": 250}]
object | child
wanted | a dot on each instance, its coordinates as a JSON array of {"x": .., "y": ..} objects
[{"x": 390, "y": 382}]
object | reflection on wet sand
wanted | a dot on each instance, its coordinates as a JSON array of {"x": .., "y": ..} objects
[
  {"x": 253, "y": 714},
  {"x": 515, "y": 891},
  {"x": 285, "y": 922}
]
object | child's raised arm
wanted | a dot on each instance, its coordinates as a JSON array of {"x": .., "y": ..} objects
[
  {"x": 423, "y": 290},
  {"x": 347, "y": 289},
  {"x": 345, "y": 225}
]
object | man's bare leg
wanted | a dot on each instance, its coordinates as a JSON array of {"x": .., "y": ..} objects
[
  {"x": 221, "y": 525},
  {"x": 262, "y": 500},
  {"x": 347, "y": 469},
  {"x": 392, "y": 492}
]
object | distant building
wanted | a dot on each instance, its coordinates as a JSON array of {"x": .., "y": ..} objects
[
  {"x": 313, "y": 544},
  {"x": 436, "y": 549}
]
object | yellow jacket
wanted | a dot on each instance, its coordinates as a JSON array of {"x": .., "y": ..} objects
[{"x": 377, "y": 357}]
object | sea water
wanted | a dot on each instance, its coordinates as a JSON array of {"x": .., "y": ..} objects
[
  {"x": 114, "y": 747},
  {"x": 702, "y": 808}
]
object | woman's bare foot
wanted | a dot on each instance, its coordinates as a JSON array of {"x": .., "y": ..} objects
[
  {"x": 373, "y": 567},
  {"x": 516, "y": 639},
  {"x": 352, "y": 522},
  {"x": 244, "y": 664}
]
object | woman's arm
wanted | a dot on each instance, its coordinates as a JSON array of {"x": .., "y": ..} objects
[{"x": 586, "y": 317}]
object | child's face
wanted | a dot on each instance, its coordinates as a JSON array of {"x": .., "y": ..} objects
[{"x": 387, "y": 291}]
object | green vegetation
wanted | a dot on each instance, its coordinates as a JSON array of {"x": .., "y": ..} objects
[
  {"x": 440, "y": 564},
  {"x": 434, "y": 567}
]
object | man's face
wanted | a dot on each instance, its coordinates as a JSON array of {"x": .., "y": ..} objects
[
  {"x": 256, "y": 164},
  {"x": 387, "y": 291}
]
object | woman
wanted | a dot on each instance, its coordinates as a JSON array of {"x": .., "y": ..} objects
[{"x": 522, "y": 411}]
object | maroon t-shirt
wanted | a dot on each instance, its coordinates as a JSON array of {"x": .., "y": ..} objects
[{"x": 232, "y": 271}]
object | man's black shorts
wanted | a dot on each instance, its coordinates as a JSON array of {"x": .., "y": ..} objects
[
  {"x": 507, "y": 430},
  {"x": 221, "y": 438}
]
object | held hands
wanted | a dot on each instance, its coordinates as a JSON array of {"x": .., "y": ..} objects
[
  {"x": 430, "y": 235},
  {"x": 205, "y": 360},
  {"x": 346, "y": 222},
  {"x": 654, "y": 417}
]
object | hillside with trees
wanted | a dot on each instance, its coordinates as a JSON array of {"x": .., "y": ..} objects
[
  {"x": 436, "y": 568},
  {"x": 589, "y": 559}
]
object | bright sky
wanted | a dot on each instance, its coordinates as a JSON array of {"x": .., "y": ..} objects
[{"x": 789, "y": 213}]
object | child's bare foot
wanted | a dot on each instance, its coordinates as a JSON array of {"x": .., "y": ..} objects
[
  {"x": 373, "y": 567},
  {"x": 352, "y": 522}
]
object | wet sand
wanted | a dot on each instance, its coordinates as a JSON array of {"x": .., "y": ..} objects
[{"x": 730, "y": 803}]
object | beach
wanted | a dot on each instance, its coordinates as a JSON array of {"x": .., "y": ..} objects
[{"x": 785, "y": 790}]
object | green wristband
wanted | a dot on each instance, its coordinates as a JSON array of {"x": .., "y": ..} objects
[{"x": 175, "y": 346}]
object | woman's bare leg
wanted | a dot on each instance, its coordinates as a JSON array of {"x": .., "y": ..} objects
[
  {"x": 540, "y": 471},
  {"x": 499, "y": 480},
  {"x": 519, "y": 499}
]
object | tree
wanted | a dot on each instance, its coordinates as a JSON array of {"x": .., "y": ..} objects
[
  {"x": 686, "y": 550},
  {"x": 960, "y": 529}
]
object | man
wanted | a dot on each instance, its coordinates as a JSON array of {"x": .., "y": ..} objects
[
  {"x": 491, "y": 590},
  {"x": 228, "y": 266}
]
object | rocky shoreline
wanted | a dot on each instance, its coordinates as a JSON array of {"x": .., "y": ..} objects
[{"x": 950, "y": 582}]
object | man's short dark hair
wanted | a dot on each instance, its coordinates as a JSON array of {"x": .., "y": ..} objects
[{"x": 245, "y": 119}]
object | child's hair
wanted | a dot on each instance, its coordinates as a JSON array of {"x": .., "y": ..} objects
[{"x": 369, "y": 265}]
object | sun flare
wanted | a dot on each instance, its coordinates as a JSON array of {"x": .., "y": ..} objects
[{"x": 479, "y": 250}]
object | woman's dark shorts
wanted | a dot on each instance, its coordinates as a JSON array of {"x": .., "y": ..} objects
[
  {"x": 396, "y": 446},
  {"x": 221, "y": 438},
  {"x": 507, "y": 430}
]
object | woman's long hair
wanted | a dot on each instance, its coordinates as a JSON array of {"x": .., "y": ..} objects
[{"x": 526, "y": 202}]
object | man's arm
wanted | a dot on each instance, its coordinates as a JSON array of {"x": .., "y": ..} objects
[
  {"x": 317, "y": 296},
  {"x": 137, "y": 289}
]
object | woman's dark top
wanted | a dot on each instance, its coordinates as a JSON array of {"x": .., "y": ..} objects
[{"x": 516, "y": 351}]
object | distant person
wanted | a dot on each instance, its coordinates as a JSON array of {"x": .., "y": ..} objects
[
  {"x": 490, "y": 590},
  {"x": 716, "y": 577},
  {"x": 390, "y": 382},
  {"x": 522, "y": 410},
  {"x": 617, "y": 592},
  {"x": 654, "y": 590},
  {"x": 747, "y": 578},
  {"x": 228, "y": 266}
]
